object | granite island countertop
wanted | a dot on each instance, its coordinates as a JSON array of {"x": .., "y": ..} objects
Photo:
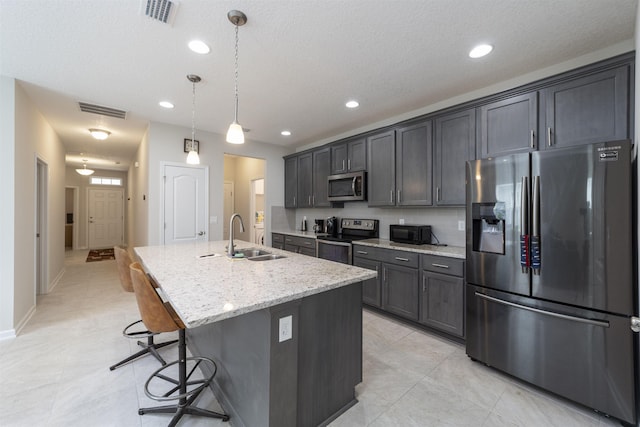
[
  {"x": 447, "y": 251},
  {"x": 212, "y": 288},
  {"x": 299, "y": 233}
]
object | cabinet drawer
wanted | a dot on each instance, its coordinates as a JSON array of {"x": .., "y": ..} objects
[
  {"x": 369, "y": 252},
  {"x": 439, "y": 264},
  {"x": 277, "y": 238},
  {"x": 404, "y": 258}
]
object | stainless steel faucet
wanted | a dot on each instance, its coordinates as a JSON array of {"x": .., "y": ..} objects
[{"x": 230, "y": 248}]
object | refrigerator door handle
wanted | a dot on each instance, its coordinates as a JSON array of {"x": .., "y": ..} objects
[
  {"x": 635, "y": 324},
  {"x": 600, "y": 323},
  {"x": 535, "y": 227},
  {"x": 525, "y": 261}
]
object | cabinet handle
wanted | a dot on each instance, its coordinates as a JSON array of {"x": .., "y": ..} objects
[
  {"x": 402, "y": 259},
  {"x": 349, "y": 164},
  {"x": 384, "y": 275},
  {"x": 533, "y": 144},
  {"x": 314, "y": 199},
  {"x": 343, "y": 164},
  {"x": 424, "y": 284},
  {"x": 307, "y": 243},
  {"x": 437, "y": 194},
  {"x": 364, "y": 253},
  {"x": 399, "y": 194},
  {"x": 391, "y": 199},
  {"x": 288, "y": 240},
  {"x": 549, "y": 136},
  {"x": 440, "y": 265},
  {"x": 309, "y": 200},
  {"x": 294, "y": 200}
]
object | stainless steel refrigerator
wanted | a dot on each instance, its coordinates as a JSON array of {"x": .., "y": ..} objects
[{"x": 550, "y": 272}]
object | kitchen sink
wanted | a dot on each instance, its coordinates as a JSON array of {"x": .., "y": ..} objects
[
  {"x": 266, "y": 257},
  {"x": 252, "y": 252}
]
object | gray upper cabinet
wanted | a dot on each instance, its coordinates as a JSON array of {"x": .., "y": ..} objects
[
  {"x": 305, "y": 180},
  {"x": 349, "y": 156},
  {"x": 414, "y": 160},
  {"x": 593, "y": 108},
  {"x": 291, "y": 182},
  {"x": 321, "y": 163},
  {"x": 381, "y": 169},
  {"x": 508, "y": 126},
  {"x": 455, "y": 143}
]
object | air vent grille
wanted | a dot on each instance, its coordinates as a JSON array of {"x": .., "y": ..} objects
[
  {"x": 159, "y": 10},
  {"x": 103, "y": 111}
]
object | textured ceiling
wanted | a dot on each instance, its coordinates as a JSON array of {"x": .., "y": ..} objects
[{"x": 299, "y": 60}]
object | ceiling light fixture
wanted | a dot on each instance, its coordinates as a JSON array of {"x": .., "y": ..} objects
[
  {"x": 235, "y": 135},
  {"x": 100, "y": 134},
  {"x": 285, "y": 133},
  {"x": 166, "y": 104},
  {"x": 480, "y": 51},
  {"x": 84, "y": 171},
  {"x": 352, "y": 104},
  {"x": 198, "y": 46},
  {"x": 193, "y": 158}
]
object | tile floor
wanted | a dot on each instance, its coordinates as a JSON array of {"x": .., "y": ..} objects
[{"x": 55, "y": 373}]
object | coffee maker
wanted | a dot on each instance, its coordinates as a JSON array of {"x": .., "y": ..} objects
[
  {"x": 319, "y": 227},
  {"x": 332, "y": 226}
]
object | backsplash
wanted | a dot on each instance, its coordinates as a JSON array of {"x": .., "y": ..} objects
[{"x": 444, "y": 221}]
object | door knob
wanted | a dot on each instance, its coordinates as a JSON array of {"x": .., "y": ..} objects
[
  {"x": 635, "y": 324},
  {"x": 201, "y": 233}
]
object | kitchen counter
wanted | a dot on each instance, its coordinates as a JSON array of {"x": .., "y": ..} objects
[
  {"x": 448, "y": 251},
  {"x": 298, "y": 233},
  {"x": 213, "y": 288},
  {"x": 286, "y": 333}
]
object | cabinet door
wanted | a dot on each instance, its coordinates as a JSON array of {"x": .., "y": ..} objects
[
  {"x": 586, "y": 110},
  {"x": 400, "y": 290},
  {"x": 455, "y": 143},
  {"x": 442, "y": 302},
  {"x": 321, "y": 164},
  {"x": 508, "y": 126},
  {"x": 414, "y": 160},
  {"x": 339, "y": 159},
  {"x": 371, "y": 291},
  {"x": 381, "y": 186},
  {"x": 307, "y": 251},
  {"x": 291, "y": 182},
  {"x": 305, "y": 180},
  {"x": 357, "y": 155}
]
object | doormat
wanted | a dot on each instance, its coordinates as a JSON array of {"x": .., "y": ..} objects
[{"x": 100, "y": 255}]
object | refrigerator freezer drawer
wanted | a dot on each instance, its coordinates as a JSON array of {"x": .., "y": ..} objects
[{"x": 582, "y": 355}]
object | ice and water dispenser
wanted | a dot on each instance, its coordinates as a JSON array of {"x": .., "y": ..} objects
[{"x": 488, "y": 227}]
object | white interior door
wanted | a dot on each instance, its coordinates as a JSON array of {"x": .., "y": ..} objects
[
  {"x": 186, "y": 206},
  {"x": 229, "y": 207},
  {"x": 106, "y": 217}
]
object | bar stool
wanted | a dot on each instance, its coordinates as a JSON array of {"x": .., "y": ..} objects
[
  {"x": 160, "y": 317},
  {"x": 123, "y": 260}
]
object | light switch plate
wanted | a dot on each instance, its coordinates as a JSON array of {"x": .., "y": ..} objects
[
  {"x": 401, "y": 221},
  {"x": 460, "y": 225},
  {"x": 285, "y": 328}
]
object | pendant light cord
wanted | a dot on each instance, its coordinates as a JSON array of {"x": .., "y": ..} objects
[
  {"x": 236, "y": 90},
  {"x": 193, "y": 118}
]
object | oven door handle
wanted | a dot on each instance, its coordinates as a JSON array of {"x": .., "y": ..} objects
[{"x": 332, "y": 242}]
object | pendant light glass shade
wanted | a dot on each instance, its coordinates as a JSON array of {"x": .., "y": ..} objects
[
  {"x": 193, "y": 158},
  {"x": 84, "y": 171},
  {"x": 235, "y": 134}
]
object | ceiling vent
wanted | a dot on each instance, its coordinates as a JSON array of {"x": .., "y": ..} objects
[
  {"x": 103, "y": 111},
  {"x": 159, "y": 10}
]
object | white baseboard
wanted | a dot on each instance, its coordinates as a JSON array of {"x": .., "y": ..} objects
[
  {"x": 25, "y": 320},
  {"x": 56, "y": 280},
  {"x": 8, "y": 334}
]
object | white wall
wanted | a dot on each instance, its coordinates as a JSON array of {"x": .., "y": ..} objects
[
  {"x": 165, "y": 143},
  {"x": 137, "y": 189},
  {"x": 26, "y": 137}
]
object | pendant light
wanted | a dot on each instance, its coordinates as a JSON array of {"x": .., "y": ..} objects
[
  {"x": 235, "y": 135},
  {"x": 84, "y": 171},
  {"x": 192, "y": 157}
]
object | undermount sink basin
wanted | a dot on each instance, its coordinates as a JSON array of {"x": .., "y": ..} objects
[
  {"x": 266, "y": 257},
  {"x": 252, "y": 252}
]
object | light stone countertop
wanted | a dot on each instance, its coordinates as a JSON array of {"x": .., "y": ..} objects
[
  {"x": 206, "y": 290},
  {"x": 448, "y": 251},
  {"x": 298, "y": 233}
]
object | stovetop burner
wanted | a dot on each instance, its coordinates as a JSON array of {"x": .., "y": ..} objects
[{"x": 355, "y": 229}]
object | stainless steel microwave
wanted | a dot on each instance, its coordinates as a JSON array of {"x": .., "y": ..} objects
[
  {"x": 413, "y": 234},
  {"x": 347, "y": 187}
]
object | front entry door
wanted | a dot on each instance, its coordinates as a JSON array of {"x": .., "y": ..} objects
[
  {"x": 105, "y": 217},
  {"x": 185, "y": 203}
]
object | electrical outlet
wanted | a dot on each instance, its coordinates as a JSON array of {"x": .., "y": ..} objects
[
  {"x": 285, "y": 330},
  {"x": 460, "y": 225},
  {"x": 401, "y": 221}
]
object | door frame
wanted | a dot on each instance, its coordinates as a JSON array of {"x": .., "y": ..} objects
[
  {"x": 163, "y": 183},
  {"x": 76, "y": 211},
  {"x": 114, "y": 188},
  {"x": 225, "y": 220},
  {"x": 41, "y": 227}
]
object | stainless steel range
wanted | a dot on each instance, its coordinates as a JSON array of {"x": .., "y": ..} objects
[{"x": 338, "y": 248}]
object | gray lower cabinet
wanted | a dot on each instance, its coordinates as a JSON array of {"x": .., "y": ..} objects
[
  {"x": 589, "y": 109},
  {"x": 371, "y": 288},
  {"x": 400, "y": 290},
  {"x": 300, "y": 245},
  {"x": 455, "y": 143},
  {"x": 442, "y": 294},
  {"x": 277, "y": 240}
]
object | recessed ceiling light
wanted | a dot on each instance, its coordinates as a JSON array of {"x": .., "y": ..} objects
[
  {"x": 165, "y": 104},
  {"x": 352, "y": 104},
  {"x": 285, "y": 133},
  {"x": 480, "y": 51},
  {"x": 198, "y": 46}
]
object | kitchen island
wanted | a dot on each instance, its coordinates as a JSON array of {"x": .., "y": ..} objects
[{"x": 286, "y": 333}]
